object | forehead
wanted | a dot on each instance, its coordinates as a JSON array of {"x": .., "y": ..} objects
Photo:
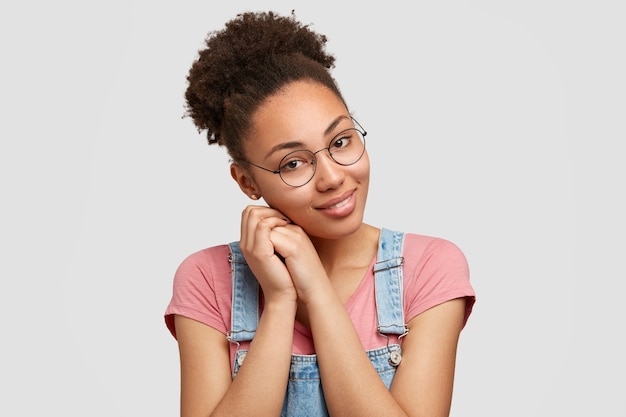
[{"x": 301, "y": 111}]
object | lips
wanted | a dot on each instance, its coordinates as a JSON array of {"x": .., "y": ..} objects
[
  {"x": 340, "y": 201},
  {"x": 340, "y": 204}
]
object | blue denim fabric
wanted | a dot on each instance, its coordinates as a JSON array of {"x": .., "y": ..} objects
[{"x": 304, "y": 396}]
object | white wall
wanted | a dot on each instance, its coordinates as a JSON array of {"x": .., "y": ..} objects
[{"x": 497, "y": 125}]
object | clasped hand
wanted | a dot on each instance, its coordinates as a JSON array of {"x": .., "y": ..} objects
[{"x": 265, "y": 234}]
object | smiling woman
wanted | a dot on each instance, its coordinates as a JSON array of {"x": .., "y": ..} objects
[{"x": 310, "y": 312}]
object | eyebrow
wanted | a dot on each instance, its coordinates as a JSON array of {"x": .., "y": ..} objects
[{"x": 299, "y": 144}]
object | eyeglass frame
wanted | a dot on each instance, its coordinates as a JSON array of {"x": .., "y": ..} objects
[{"x": 359, "y": 129}]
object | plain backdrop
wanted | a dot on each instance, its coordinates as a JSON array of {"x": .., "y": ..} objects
[{"x": 497, "y": 125}]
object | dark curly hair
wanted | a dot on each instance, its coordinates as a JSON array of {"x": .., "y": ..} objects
[{"x": 255, "y": 55}]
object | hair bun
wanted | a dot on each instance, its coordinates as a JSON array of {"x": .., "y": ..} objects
[{"x": 254, "y": 55}]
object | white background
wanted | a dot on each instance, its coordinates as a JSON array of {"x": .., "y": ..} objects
[{"x": 497, "y": 125}]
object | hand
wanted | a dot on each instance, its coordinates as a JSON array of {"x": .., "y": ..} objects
[
  {"x": 301, "y": 258},
  {"x": 258, "y": 223}
]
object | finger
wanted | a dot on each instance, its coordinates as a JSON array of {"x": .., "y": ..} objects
[
  {"x": 289, "y": 238},
  {"x": 257, "y": 223}
]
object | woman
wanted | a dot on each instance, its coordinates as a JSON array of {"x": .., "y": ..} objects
[{"x": 311, "y": 312}]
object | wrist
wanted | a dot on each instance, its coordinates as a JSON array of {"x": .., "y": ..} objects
[
  {"x": 286, "y": 300},
  {"x": 321, "y": 296}
]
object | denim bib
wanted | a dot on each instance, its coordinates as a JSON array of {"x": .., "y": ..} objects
[{"x": 304, "y": 396}]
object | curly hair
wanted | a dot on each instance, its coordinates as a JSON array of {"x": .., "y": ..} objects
[{"x": 254, "y": 56}]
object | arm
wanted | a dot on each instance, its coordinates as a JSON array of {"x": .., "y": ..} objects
[
  {"x": 350, "y": 383},
  {"x": 204, "y": 367},
  {"x": 206, "y": 387},
  {"x": 424, "y": 379},
  {"x": 259, "y": 388},
  {"x": 423, "y": 382}
]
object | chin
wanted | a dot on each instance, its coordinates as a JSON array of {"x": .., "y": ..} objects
[{"x": 335, "y": 229}]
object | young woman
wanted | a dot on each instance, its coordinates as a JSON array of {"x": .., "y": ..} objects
[{"x": 311, "y": 312}]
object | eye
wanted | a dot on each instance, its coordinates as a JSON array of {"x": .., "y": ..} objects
[
  {"x": 342, "y": 140},
  {"x": 295, "y": 160}
]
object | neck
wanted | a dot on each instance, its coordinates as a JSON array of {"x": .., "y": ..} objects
[{"x": 352, "y": 251}]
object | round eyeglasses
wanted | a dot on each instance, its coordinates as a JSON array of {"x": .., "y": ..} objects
[{"x": 297, "y": 168}]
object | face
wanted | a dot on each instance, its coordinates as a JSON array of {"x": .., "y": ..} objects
[{"x": 306, "y": 115}]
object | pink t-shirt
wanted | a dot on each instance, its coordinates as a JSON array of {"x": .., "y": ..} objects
[{"x": 435, "y": 270}]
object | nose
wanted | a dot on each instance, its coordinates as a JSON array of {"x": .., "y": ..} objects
[{"x": 328, "y": 173}]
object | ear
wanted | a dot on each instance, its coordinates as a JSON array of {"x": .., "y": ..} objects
[{"x": 245, "y": 181}]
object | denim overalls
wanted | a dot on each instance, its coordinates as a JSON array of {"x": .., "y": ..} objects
[{"x": 304, "y": 396}]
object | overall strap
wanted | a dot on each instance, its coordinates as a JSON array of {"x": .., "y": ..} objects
[
  {"x": 388, "y": 283},
  {"x": 245, "y": 293}
]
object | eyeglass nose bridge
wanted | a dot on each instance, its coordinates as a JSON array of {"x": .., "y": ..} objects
[{"x": 330, "y": 155}]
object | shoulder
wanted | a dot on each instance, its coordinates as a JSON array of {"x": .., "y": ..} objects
[
  {"x": 205, "y": 258},
  {"x": 436, "y": 270},
  {"x": 203, "y": 264},
  {"x": 429, "y": 248},
  {"x": 434, "y": 259},
  {"x": 202, "y": 288}
]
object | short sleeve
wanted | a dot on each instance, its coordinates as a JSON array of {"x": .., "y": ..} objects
[
  {"x": 436, "y": 271},
  {"x": 201, "y": 283}
]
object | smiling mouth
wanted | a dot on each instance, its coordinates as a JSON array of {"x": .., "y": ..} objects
[{"x": 339, "y": 204}]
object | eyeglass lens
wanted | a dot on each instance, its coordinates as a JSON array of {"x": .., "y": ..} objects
[{"x": 297, "y": 168}]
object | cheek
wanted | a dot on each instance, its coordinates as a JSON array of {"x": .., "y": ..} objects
[
  {"x": 286, "y": 200},
  {"x": 362, "y": 168}
]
